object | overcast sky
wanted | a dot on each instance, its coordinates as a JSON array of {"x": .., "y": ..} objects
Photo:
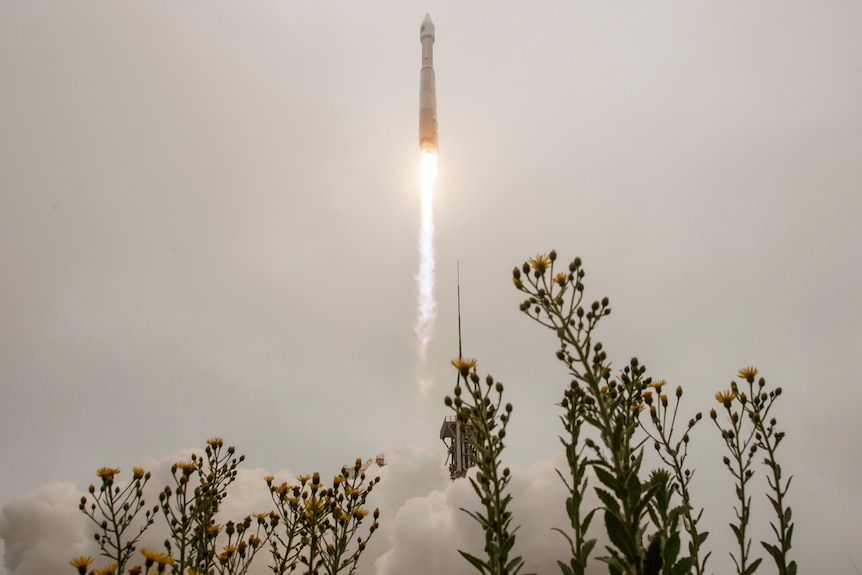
[{"x": 208, "y": 223}]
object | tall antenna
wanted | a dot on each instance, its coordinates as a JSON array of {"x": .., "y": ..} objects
[
  {"x": 459, "y": 309},
  {"x": 461, "y": 453}
]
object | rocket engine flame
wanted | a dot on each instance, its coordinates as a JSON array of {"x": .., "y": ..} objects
[{"x": 427, "y": 305}]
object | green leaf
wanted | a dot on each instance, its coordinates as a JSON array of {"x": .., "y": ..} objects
[
  {"x": 753, "y": 567},
  {"x": 615, "y": 566},
  {"x": 587, "y": 548},
  {"x": 618, "y": 536},
  {"x": 675, "y": 515},
  {"x": 638, "y": 508},
  {"x": 616, "y": 439},
  {"x": 653, "y": 559},
  {"x": 586, "y": 522},
  {"x": 775, "y": 504},
  {"x": 737, "y": 533},
  {"x": 475, "y": 562},
  {"x": 671, "y": 548},
  {"x": 610, "y": 502},
  {"x": 565, "y": 568},
  {"x": 774, "y": 551},
  {"x": 633, "y": 486},
  {"x": 683, "y": 567},
  {"x": 608, "y": 479},
  {"x": 515, "y": 565},
  {"x": 564, "y": 534}
]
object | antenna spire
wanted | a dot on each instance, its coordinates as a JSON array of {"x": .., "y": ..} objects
[{"x": 459, "y": 309}]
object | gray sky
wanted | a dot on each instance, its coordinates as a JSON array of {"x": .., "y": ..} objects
[{"x": 209, "y": 212}]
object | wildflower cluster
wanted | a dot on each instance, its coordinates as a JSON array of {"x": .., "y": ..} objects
[
  {"x": 746, "y": 429},
  {"x": 673, "y": 452},
  {"x": 321, "y": 527},
  {"x": 646, "y": 520},
  {"x": 610, "y": 405},
  {"x": 191, "y": 505},
  {"x": 114, "y": 508},
  {"x": 483, "y": 417},
  {"x": 325, "y": 520}
]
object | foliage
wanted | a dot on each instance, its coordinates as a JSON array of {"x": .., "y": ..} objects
[
  {"x": 319, "y": 525},
  {"x": 744, "y": 435},
  {"x": 113, "y": 509},
  {"x": 312, "y": 528},
  {"x": 484, "y": 422},
  {"x": 608, "y": 420}
]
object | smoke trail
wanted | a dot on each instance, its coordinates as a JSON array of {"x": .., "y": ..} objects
[{"x": 427, "y": 306}]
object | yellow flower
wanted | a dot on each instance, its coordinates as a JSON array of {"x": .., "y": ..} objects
[
  {"x": 657, "y": 385},
  {"x": 81, "y": 563},
  {"x": 748, "y": 373},
  {"x": 314, "y": 505},
  {"x": 303, "y": 478},
  {"x": 108, "y": 570},
  {"x": 269, "y": 479},
  {"x": 137, "y": 472},
  {"x": 107, "y": 473},
  {"x": 153, "y": 556},
  {"x": 229, "y": 550},
  {"x": 464, "y": 363},
  {"x": 540, "y": 263},
  {"x": 187, "y": 466},
  {"x": 725, "y": 397},
  {"x": 215, "y": 442},
  {"x": 136, "y": 570},
  {"x": 164, "y": 559},
  {"x": 359, "y": 512},
  {"x": 561, "y": 278}
]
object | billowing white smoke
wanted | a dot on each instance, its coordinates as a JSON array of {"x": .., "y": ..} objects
[
  {"x": 427, "y": 306},
  {"x": 421, "y": 524}
]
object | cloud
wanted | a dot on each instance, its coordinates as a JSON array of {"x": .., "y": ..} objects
[
  {"x": 422, "y": 525},
  {"x": 427, "y": 530},
  {"x": 44, "y": 529}
]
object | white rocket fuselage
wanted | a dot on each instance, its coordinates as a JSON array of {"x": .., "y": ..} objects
[{"x": 427, "y": 89}]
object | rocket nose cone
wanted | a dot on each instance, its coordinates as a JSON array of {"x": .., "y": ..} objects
[{"x": 427, "y": 27}]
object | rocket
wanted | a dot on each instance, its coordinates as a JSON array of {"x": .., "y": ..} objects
[{"x": 427, "y": 90}]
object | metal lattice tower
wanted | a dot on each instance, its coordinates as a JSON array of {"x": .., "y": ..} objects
[{"x": 461, "y": 454}]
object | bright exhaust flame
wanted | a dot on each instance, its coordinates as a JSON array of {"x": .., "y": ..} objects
[{"x": 427, "y": 306}]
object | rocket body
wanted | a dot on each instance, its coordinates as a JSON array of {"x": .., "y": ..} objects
[{"x": 427, "y": 90}]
